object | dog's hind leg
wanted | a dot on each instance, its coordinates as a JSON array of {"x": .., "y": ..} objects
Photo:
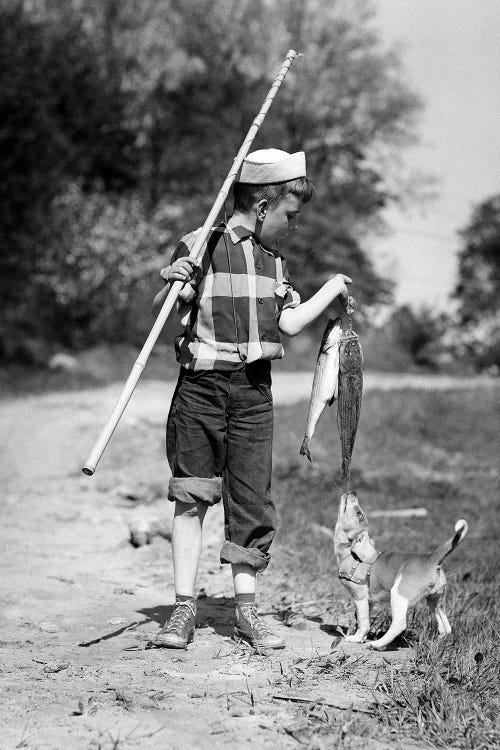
[
  {"x": 436, "y": 605},
  {"x": 399, "y": 609}
]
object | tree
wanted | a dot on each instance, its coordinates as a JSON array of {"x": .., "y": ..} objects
[
  {"x": 148, "y": 102},
  {"x": 61, "y": 119},
  {"x": 478, "y": 287},
  {"x": 419, "y": 333},
  {"x": 344, "y": 102}
]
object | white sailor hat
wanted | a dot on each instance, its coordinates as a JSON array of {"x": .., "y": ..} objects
[{"x": 270, "y": 165}]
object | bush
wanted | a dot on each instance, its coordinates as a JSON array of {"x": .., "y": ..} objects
[
  {"x": 99, "y": 270},
  {"x": 477, "y": 342},
  {"x": 409, "y": 340},
  {"x": 105, "y": 254}
]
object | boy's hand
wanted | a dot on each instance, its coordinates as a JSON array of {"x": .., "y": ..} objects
[
  {"x": 339, "y": 283},
  {"x": 181, "y": 270}
]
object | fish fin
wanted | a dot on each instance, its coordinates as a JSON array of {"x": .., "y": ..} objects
[
  {"x": 332, "y": 400},
  {"x": 305, "y": 448}
]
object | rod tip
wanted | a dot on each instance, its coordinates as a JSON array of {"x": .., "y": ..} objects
[{"x": 88, "y": 471}]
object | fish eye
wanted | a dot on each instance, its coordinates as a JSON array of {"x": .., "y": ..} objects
[{"x": 359, "y": 514}]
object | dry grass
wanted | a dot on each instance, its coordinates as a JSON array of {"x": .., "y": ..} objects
[{"x": 440, "y": 451}]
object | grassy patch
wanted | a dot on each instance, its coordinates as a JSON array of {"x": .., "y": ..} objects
[
  {"x": 437, "y": 450},
  {"x": 450, "y": 695}
]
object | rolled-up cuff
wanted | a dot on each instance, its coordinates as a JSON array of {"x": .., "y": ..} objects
[
  {"x": 234, "y": 554},
  {"x": 195, "y": 489}
]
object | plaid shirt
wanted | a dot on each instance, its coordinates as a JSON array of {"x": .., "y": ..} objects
[{"x": 231, "y": 308}]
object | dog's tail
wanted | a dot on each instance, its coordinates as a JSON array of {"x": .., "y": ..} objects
[{"x": 461, "y": 528}]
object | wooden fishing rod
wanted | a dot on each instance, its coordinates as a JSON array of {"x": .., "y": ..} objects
[{"x": 196, "y": 254}]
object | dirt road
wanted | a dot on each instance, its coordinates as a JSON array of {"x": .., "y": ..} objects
[{"x": 80, "y": 603}]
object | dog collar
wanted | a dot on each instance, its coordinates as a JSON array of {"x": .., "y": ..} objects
[
  {"x": 366, "y": 562},
  {"x": 355, "y": 571}
]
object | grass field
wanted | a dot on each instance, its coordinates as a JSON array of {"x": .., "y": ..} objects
[{"x": 414, "y": 449}]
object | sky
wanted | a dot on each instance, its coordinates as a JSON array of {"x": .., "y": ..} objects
[{"x": 450, "y": 50}]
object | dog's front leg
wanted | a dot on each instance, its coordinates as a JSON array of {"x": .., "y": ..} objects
[
  {"x": 399, "y": 609},
  {"x": 359, "y": 593}
]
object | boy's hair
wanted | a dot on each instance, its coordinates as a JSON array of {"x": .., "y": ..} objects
[{"x": 246, "y": 194}]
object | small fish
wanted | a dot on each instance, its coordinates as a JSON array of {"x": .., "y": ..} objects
[
  {"x": 350, "y": 392},
  {"x": 325, "y": 381}
]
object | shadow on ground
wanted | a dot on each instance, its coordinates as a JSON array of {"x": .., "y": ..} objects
[{"x": 213, "y": 612}]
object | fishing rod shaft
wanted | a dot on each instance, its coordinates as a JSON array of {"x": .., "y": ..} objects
[{"x": 196, "y": 254}]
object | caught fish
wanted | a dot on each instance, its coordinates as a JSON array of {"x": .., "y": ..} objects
[
  {"x": 325, "y": 381},
  {"x": 350, "y": 392}
]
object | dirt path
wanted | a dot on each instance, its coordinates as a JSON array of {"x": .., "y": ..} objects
[{"x": 80, "y": 602}]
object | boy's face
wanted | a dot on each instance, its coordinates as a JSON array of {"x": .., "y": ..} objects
[{"x": 278, "y": 220}]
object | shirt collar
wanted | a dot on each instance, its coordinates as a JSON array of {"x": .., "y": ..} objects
[{"x": 237, "y": 232}]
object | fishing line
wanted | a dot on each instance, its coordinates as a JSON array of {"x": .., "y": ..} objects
[
  {"x": 284, "y": 419},
  {"x": 231, "y": 283},
  {"x": 249, "y": 375}
]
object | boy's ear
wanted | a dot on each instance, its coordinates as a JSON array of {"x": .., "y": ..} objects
[{"x": 262, "y": 207}]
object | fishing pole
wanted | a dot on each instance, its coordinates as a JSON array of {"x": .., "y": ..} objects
[{"x": 196, "y": 254}]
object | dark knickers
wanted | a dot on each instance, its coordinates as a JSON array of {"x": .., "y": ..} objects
[{"x": 219, "y": 443}]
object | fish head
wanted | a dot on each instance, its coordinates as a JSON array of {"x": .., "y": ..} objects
[
  {"x": 363, "y": 549},
  {"x": 332, "y": 334},
  {"x": 351, "y": 517}
]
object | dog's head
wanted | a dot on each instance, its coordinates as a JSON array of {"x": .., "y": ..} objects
[
  {"x": 351, "y": 520},
  {"x": 362, "y": 548}
]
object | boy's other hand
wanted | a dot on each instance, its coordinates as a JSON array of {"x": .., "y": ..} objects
[
  {"x": 339, "y": 283},
  {"x": 181, "y": 270}
]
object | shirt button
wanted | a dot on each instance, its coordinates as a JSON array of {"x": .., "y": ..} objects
[
  {"x": 258, "y": 265},
  {"x": 260, "y": 301},
  {"x": 263, "y": 337}
]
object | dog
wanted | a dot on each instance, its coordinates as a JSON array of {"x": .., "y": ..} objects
[{"x": 372, "y": 576}]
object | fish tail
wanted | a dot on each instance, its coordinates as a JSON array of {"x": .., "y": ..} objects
[{"x": 305, "y": 448}]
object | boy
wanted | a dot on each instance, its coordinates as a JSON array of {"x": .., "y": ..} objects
[{"x": 219, "y": 431}]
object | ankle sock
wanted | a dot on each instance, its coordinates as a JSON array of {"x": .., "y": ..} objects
[
  {"x": 183, "y": 598},
  {"x": 244, "y": 599}
]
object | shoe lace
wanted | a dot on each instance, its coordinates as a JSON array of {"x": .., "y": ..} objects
[
  {"x": 249, "y": 612},
  {"x": 183, "y": 611}
]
